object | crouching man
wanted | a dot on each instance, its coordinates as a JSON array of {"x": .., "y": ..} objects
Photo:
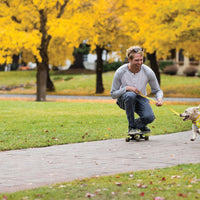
[{"x": 130, "y": 80}]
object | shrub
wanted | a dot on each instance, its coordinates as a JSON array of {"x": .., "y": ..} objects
[
  {"x": 163, "y": 64},
  {"x": 181, "y": 63},
  {"x": 112, "y": 66},
  {"x": 190, "y": 71},
  {"x": 194, "y": 62},
  {"x": 170, "y": 69}
]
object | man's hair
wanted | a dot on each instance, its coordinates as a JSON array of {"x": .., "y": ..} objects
[{"x": 134, "y": 49}]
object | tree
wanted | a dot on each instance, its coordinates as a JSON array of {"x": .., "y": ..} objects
[
  {"x": 162, "y": 26},
  {"x": 42, "y": 30},
  {"x": 180, "y": 23},
  {"x": 104, "y": 32}
]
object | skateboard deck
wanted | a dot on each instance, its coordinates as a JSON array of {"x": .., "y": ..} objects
[{"x": 137, "y": 137}]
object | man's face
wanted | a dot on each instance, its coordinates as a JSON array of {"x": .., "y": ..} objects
[{"x": 136, "y": 62}]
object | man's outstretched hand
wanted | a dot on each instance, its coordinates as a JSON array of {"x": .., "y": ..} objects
[{"x": 159, "y": 102}]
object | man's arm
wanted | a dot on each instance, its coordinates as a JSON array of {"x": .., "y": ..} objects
[{"x": 155, "y": 88}]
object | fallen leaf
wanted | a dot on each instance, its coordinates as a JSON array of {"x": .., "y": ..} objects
[
  {"x": 144, "y": 186},
  {"x": 118, "y": 183},
  {"x": 62, "y": 186},
  {"x": 98, "y": 190},
  {"x": 141, "y": 186},
  {"x": 158, "y": 198},
  {"x": 24, "y": 198},
  {"x": 142, "y": 194},
  {"x": 89, "y": 195},
  {"x": 194, "y": 180},
  {"x": 175, "y": 176},
  {"x": 182, "y": 195},
  {"x": 83, "y": 185},
  {"x": 163, "y": 179},
  {"x": 5, "y": 197}
]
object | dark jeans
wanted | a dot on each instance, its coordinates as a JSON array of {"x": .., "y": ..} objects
[{"x": 133, "y": 103}]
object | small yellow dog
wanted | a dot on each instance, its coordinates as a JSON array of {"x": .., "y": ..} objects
[{"x": 193, "y": 114}]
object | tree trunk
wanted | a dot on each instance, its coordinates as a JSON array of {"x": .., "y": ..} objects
[
  {"x": 43, "y": 66},
  {"x": 15, "y": 62},
  {"x": 50, "y": 85},
  {"x": 99, "y": 70},
  {"x": 154, "y": 65},
  {"x": 41, "y": 82}
]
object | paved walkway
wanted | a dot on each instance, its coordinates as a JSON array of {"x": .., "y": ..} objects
[
  {"x": 67, "y": 97},
  {"x": 31, "y": 168}
]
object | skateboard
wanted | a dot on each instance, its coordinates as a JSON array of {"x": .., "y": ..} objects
[{"x": 137, "y": 137}]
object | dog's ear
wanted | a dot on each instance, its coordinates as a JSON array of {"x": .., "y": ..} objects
[{"x": 197, "y": 108}]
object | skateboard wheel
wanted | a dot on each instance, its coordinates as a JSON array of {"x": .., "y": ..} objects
[
  {"x": 137, "y": 137},
  {"x": 127, "y": 139},
  {"x": 146, "y": 137}
]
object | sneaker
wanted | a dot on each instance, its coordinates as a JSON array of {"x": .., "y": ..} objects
[
  {"x": 145, "y": 130},
  {"x": 133, "y": 131}
]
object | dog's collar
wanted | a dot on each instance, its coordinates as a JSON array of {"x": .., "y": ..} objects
[{"x": 197, "y": 121}]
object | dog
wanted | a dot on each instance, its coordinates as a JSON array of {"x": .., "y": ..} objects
[{"x": 192, "y": 114}]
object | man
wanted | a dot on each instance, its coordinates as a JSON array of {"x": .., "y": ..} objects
[{"x": 129, "y": 81}]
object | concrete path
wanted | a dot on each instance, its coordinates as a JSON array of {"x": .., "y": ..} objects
[
  {"x": 31, "y": 168},
  {"x": 67, "y": 97}
]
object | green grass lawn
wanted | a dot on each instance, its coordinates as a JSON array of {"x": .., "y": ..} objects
[
  {"x": 37, "y": 124},
  {"x": 85, "y": 84},
  {"x": 174, "y": 183}
]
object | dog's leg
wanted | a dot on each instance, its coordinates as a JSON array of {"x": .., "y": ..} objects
[{"x": 194, "y": 132}]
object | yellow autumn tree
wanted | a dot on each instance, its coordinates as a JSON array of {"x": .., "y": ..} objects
[
  {"x": 44, "y": 30},
  {"x": 181, "y": 21},
  {"x": 171, "y": 24},
  {"x": 104, "y": 32},
  {"x": 160, "y": 26}
]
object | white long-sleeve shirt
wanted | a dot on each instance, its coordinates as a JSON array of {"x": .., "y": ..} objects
[{"x": 124, "y": 77}]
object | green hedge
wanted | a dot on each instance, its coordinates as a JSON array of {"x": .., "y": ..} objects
[
  {"x": 112, "y": 66},
  {"x": 163, "y": 64}
]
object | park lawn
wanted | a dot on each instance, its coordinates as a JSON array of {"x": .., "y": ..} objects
[
  {"x": 85, "y": 84},
  {"x": 179, "y": 182},
  {"x": 36, "y": 124},
  {"x": 39, "y": 124}
]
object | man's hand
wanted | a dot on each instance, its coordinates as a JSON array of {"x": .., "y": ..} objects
[
  {"x": 133, "y": 89},
  {"x": 159, "y": 102}
]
